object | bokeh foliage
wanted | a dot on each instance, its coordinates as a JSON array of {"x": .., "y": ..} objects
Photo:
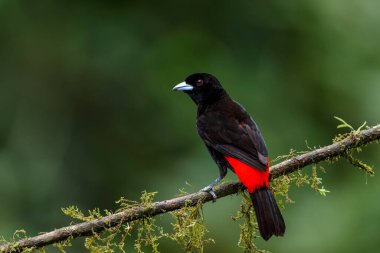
[{"x": 87, "y": 114}]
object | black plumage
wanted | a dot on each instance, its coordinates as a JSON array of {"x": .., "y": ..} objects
[{"x": 228, "y": 131}]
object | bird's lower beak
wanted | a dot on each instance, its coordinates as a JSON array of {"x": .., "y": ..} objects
[{"x": 183, "y": 86}]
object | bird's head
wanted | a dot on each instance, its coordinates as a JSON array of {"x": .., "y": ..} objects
[{"x": 201, "y": 87}]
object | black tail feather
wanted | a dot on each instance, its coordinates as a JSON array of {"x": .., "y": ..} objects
[{"x": 268, "y": 214}]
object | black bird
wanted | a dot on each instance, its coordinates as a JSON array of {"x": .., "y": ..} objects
[{"x": 234, "y": 142}]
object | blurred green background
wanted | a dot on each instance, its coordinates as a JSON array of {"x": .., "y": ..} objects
[{"x": 87, "y": 113}]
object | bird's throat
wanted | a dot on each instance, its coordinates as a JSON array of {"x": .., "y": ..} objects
[{"x": 211, "y": 101}]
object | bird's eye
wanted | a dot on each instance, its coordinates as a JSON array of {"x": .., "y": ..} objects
[{"x": 199, "y": 82}]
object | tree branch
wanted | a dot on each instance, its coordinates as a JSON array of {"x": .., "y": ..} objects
[{"x": 88, "y": 228}]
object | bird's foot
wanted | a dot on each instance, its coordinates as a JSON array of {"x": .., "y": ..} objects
[{"x": 209, "y": 190}]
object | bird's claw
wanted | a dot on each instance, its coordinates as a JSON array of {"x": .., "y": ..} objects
[{"x": 209, "y": 190}]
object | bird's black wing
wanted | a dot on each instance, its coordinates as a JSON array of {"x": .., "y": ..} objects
[{"x": 232, "y": 132}]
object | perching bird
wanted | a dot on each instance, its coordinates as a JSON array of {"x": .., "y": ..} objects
[{"x": 234, "y": 142}]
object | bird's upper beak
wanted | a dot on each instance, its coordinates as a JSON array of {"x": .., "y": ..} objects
[{"x": 183, "y": 86}]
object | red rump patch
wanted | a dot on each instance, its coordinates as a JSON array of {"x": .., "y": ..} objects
[{"x": 251, "y": 178}]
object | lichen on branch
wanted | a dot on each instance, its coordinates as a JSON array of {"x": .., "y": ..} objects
[{"x": 107, "y": 231}]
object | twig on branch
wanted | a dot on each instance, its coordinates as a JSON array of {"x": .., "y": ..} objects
[
  {"x": 95, "y": 226},
  {"x": 337, "y": 149}
]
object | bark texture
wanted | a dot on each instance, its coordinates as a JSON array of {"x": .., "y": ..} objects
[{"x": 88, "y": 228}]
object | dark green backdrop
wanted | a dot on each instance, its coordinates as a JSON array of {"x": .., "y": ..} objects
[{"x": 87, "y": 114}]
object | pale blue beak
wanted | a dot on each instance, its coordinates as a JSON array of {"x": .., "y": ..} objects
[{"x": 183, "y": 86}]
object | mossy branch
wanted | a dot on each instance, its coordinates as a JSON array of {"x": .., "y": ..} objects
[
  {"x": 340, "y": 148},
  {"x": 355, "y": 140}
]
